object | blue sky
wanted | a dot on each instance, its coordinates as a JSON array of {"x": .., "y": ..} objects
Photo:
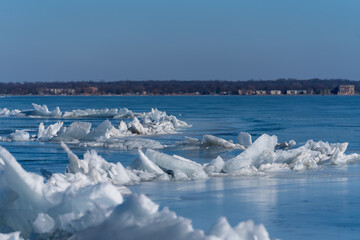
[{"x": 75, "y": 40}]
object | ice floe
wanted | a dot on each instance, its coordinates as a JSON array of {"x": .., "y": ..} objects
[{"x": 40, "y": 209}]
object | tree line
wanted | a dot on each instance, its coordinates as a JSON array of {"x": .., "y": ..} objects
[{"x": 155, "y": 87}]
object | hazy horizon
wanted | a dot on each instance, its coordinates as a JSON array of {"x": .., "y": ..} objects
[{"x": 161, "y": 40}]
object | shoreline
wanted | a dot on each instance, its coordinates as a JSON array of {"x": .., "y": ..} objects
[{"x": 168, "y": 95}]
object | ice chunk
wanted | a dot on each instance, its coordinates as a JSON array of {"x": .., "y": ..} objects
[
  {"x": 123, "y": 128},
  {"x": 10, "y": 236},
  {"x": 210, "y": 140},
  {"x": 124, "y": 113},
  {"x": 48, "y": 133},
  {"x": 29, "y": 203},
  {"x": 76, "y": 130},
  {"x": 43, "y": 223},
  {"x": 137, "y": 128},
  {"x": 192, "y": 169},
  {"x": 103, "y": 131},
  {"x": 223, "y": 230},
  {"x": 248, "y": 230},
  {"x": 215, "y": 166},
  {"x": 27, "y": 185},
  {"x": 43, "y": 111},
  {"x": 145, "y": 164},
  {"x": 5, "y": 112},
  {"x": 261, "y": 151},
  {"x": 97, "y": 169},
  {"x": 19, "y": 136},
  {"x": 244, "y": 139},
  {"x": 75, "y": 164},
  {"x": 286, "y": 145}
]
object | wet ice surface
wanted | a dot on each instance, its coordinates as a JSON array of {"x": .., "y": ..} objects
[{"x": 316, "y": 204}]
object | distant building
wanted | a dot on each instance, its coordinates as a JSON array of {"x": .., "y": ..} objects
[
  {"x": 305, "y": 92},
  {"x": 246, "y": 92},
  {"x": 275, "y": 92},
  {"x": 291, "y": 92},
  {"x": 346, "y": 90},
  {"x": 299, "y": 92},
  {"x": 260, "y": 92},
  {"x": 90, "y": 90},
  {"x": 325, "y": 91},
  {"x": 58, "y": 91}
]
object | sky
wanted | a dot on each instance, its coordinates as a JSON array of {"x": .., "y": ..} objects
[{"x": 76, "y": 40}]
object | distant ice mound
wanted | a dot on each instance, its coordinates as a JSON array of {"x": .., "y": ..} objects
[
  {"x": 63, "y": 207},
  {"x": 105, "y": 134},
  {"x": 4, "y": 112},
  {"x": 42, "y": 111},
  {"x": 262, "y": 156}
]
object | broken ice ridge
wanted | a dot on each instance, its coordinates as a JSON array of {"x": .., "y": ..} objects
[
  {"x": 42, "y": 111},
  {"x": 87, "y": 203},
  {"x": 105, "y": 134},
  {"x": 87, "y": 200}
]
